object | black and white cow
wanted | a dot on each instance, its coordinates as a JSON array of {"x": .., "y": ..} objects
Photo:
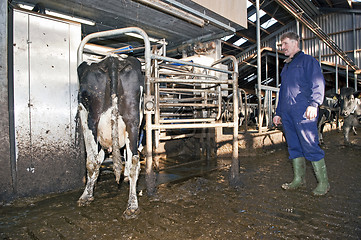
[
  {"x": 329, "y": 112},
  {"x": 350, "y": 110},
  {"x": 110, "y": 110}
]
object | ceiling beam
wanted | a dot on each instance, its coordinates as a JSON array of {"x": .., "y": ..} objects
[
  {"x": 247, "y": 36},
  {"x": 339, "y": 10},
  {"x": 232, "y": 45},
  {"x": 273, "y": 34}
]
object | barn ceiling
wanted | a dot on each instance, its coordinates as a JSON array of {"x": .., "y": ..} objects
[
  {"x": 180, "y": 32},
  {"x": 159, "y": 24}
]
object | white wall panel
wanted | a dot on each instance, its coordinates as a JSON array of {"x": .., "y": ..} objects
[{"x": 45, "y": 103}]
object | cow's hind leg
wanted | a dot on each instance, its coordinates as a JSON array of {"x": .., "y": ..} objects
[
  {"x": 93, "y": 165},
  {"x": 94, "y": 158},
  {"x": 133, "y": 165}
]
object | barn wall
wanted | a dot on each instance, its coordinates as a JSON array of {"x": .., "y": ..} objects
[
  {"x": 5, "y": 170},
  {"x": 340, "y": 29}
]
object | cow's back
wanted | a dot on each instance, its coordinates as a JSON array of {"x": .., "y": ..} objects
[{"x": 96, "y": 81}]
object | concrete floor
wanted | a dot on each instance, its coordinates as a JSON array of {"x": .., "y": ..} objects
[{"x": 203, "y": 206}]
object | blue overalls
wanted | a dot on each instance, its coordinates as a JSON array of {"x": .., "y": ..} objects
[{"x": 302, "y": 85}]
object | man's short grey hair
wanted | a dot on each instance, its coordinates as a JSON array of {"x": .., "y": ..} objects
[{"x": 290, "y": 35}]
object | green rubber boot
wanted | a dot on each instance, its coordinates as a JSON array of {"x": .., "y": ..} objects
[
  {"x": 321, "y": 174},
  {"x": 299, "y": 170}
]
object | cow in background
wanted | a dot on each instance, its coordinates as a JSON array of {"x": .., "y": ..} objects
[
  {"x": 350, "y": 104},
  {"x": 329, "y": 112},
  {"x": 110, "y": 115}
]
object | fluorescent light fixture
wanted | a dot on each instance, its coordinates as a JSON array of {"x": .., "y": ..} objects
[
  {"x": 75, "y": 19},
  {"x": 60, "y": 15},
  {"x": 140, "y": 37},
  {"x": 267, "y": 81},
  {"x": 250, "y": 78},
  {"x": 27, "y": 7}
]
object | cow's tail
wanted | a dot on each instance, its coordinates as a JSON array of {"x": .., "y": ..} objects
[
  {"x": 142, "y": 133},
  {"x": 113, "y": 74}
]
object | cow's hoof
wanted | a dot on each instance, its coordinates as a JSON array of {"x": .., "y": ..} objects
[
  {"x": 84, "y": 202},
  {"x": 131, "y": 213}
]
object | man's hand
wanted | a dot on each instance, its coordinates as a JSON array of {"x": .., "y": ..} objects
[
  {"x": 277, "y": 120},
  {"x": 311, "y": 112}
]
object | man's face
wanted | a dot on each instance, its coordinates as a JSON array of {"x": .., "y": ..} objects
[{"x": 290, "y": 47}]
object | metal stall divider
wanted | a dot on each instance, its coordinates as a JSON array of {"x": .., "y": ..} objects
[
  {"x": 200, "y": 92},
  {"x": 267, "y": 108}
]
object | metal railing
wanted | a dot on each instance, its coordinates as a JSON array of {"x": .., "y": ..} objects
[{"x": 267, "y": 107}]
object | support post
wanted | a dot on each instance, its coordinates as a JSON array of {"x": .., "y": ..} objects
[
  {"x": 336, "y": 78},
  {"x": 346, "y": 75},
  {"x": 277, "y": 65},
  {"x": 259, "y": 69},
  {"x": 355, "y": 74}
]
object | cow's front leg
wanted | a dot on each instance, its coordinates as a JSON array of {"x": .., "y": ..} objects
[
  {"x": 346, "y": 132},
  {"x": 134, "y": 168}
]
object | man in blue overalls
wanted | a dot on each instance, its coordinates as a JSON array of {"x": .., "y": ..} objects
[{"x": 301, "y": 92}]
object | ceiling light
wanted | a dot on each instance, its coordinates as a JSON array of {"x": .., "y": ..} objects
[
  {"x": 140, "y": 37},
  {"x": 60, "y": 15}
]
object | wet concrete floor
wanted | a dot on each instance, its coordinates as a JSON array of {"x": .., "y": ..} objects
[{"x": 203, "y": 206}]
